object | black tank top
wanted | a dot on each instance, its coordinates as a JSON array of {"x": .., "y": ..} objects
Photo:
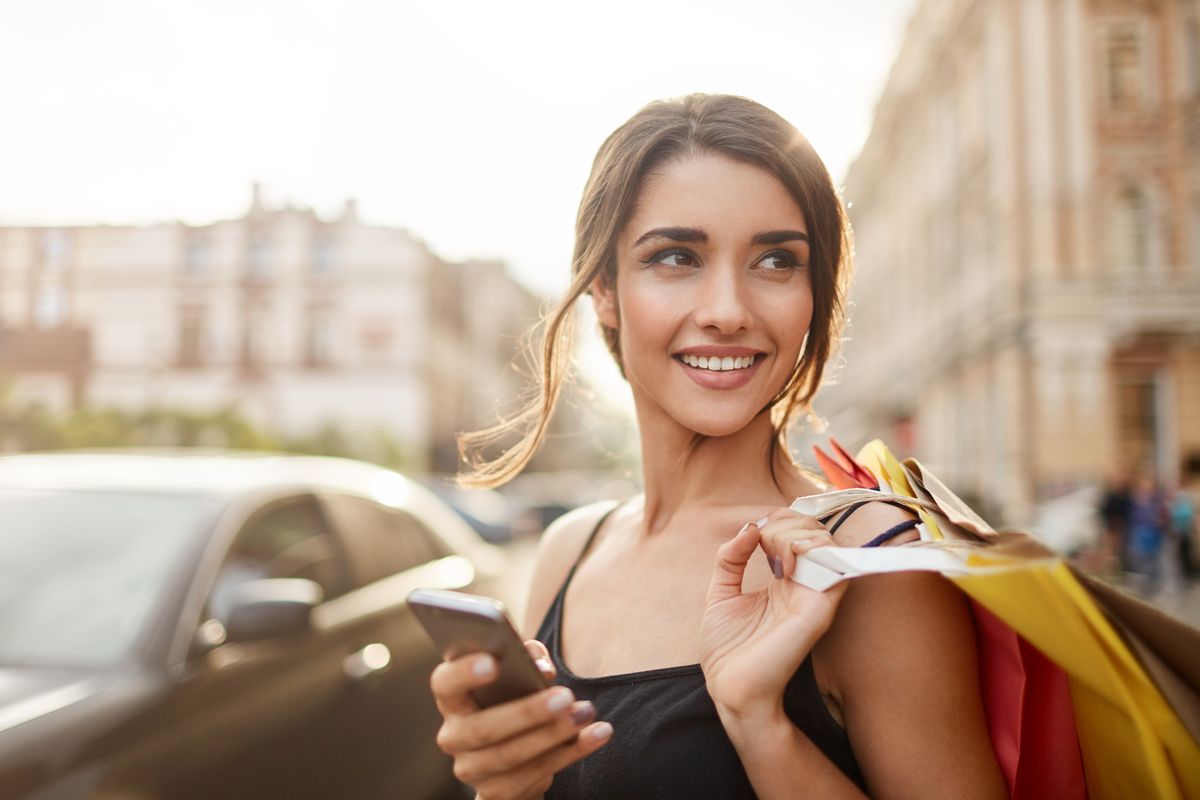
[{"x": 668, "y": 740}]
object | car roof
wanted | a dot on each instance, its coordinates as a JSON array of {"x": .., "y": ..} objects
[
  {"x": 212, "y": 472},
  {"x": 230, "y": 475}
]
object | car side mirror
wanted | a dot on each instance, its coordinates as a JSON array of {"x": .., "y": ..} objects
[{"x": 272, "y": 607}]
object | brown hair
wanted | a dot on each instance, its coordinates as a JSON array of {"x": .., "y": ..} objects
[{"x": 664, "y": 131}]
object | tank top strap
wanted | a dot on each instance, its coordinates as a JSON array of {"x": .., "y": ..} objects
[
  {"x": 548, "y": 631},
  {"x": 588, "y": 544}
]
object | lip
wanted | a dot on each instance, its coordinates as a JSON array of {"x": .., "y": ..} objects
[
  {"x": 721, "y": 350},
  {"x": 725, "y": 379}
]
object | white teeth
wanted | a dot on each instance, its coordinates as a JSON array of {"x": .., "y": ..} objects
[{"x": 716, "y": 363}]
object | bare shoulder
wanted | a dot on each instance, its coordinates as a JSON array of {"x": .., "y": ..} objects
[
  {"x": 901, "y": 613},
  {"x": 557, "y": 550},
  {"x": 901, "y": 664}
]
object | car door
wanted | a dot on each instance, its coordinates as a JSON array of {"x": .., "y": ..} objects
[
  {"x": 392, "y": 552},
  {"x": 252, "y": 718}
]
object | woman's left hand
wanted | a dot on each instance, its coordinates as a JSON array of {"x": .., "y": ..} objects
[{"x": 753, "y": 642}]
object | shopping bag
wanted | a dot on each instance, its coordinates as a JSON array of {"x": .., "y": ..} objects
[{"x": 1131, "y": 679}]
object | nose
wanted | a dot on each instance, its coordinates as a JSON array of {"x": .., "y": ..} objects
[{"x": 721, "y": 302}]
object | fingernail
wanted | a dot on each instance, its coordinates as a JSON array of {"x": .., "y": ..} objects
[
  {"x": 777, "y": 566},
  {"x": 485, "y": 666},
  {"x": 583, "y": 713},
  {"x": 602, "y": 731},
  {"x": 762, "y": 522},
  {"x": 559, "y": 699},
  {"x": 544, "y": 665},
  {"x": 744, "y": 527}
]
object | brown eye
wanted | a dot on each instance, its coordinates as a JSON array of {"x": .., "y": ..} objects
[
  {"x": 673, "y": 258},
  {"x": 778, "y": 261}
]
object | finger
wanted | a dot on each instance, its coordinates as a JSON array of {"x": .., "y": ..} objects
[
  {"x": 453, "y": 680},
  {"x": 730, "y": 568},
  {"x": 505, "y": 720},
  {"x": 785, "y": 517},
  {"x": 533, "y": 773},
  {"x": 798, "y": 546},
  {"x": 784, "y": 513},
  {"x": 510, "y": 754},
  {"x": 541, "y": 656},
  {"x": 778, "y": 535}
]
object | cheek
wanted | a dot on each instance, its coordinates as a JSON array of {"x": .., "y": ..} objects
[
  {"x": 793, "y": 317},
  {"x": 646, "y": 319}
]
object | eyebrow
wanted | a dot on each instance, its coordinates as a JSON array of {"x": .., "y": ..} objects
[
  {"x": 779, "y": 237},
  {"x": 697, "y": 235},
  {"x": 674, "y": 234}
]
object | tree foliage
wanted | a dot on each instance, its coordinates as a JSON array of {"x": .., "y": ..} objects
[{"x": 33, "y": 426}]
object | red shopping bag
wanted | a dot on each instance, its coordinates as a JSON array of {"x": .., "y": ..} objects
[{"x": 1029, "y": 715}]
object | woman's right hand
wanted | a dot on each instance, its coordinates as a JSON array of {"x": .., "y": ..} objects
[{"x": 511, "y": 750}]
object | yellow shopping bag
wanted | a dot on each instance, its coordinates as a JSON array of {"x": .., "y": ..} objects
[{"x": 1133, "y": 673}]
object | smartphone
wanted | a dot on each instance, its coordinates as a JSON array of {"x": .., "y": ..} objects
[{"x": 461, "y": 623}]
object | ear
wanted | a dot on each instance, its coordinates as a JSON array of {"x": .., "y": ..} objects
[{"x": 604, "y": 302}]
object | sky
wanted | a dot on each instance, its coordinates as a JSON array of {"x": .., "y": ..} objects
[{"x": 471, "y": 124}]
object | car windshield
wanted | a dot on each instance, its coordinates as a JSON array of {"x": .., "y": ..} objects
[{"x": 80, "y": 571}]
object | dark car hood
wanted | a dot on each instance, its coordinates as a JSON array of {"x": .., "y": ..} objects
[{"x": 27, "y": 693}]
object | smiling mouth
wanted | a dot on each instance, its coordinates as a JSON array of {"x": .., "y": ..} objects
[{"x": 718, "y": 363}]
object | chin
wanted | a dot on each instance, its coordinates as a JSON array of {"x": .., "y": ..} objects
[{"x": 716, "y": 428}]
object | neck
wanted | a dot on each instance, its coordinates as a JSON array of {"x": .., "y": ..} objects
[{"x": 721, "y": 471}]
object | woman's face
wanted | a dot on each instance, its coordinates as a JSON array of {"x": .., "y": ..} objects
[{"x": 713, "y": 292}]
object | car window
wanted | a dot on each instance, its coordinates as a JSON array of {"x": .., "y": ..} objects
[
  {"x": 82, "y": 572},
  {"x": 382, "y": 540},
  {"x": 289, "y": 539}
]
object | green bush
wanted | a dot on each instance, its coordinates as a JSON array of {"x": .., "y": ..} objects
[{"x": 32, "y": 426}]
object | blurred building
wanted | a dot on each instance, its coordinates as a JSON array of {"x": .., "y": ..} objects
[
  {"x": 1026, "y": 309},
  {"x": 296, "y": 321},
  {"x": 475, "y": 368}
]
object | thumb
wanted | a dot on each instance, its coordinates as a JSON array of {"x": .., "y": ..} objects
[
  {"x": 541, "y": 656},
  {"x": 730, "y": 568}
]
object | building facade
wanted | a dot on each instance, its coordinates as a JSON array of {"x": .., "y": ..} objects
[
  {"x": 295, "y": 321},
  {"x": 1026, "y": 309}
]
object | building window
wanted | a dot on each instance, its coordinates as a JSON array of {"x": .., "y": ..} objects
[
  {"x": 1139, "y": 420},
  {"x": 191, "y": 338},
  {"x": 322, "y": 255},
  {"x": 376, "y": 339},
  {"x": 258, "y": 264},
  {"x": 197, "y": 256},
  {"x": 55, "y": 246},
  {"x": 1130, "y": 230},
  {"x": 1124, "y": 70},
  {"x": 250, "y": 351},
  {"x": 318, "y": 340},
  {"x": 50, "y": 305}
]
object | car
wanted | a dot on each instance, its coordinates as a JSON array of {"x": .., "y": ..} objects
[
  {"x": 487, "y": 511},
  {"x": 186, "y": 625}
]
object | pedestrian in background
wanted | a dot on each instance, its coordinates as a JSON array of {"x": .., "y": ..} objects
[
  {"x": 1147, "y": 529},
  {"x": 1183, "y": 530},
  {"x": 1114, "y": 516},
  {"x": 716, "y": 253}
]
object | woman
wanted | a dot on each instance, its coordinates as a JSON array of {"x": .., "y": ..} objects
[{"x": 716, "y": 254}]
